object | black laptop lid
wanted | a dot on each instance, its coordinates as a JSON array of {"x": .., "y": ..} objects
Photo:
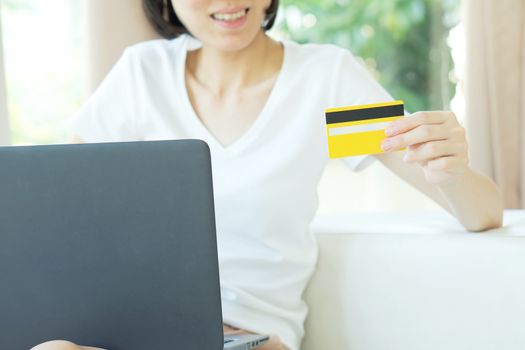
[{"x": 110, "y": 245}]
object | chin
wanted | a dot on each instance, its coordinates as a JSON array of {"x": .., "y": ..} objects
[
  {"x": 232, "y": 46},
  {"x": 233, "y": 42}
]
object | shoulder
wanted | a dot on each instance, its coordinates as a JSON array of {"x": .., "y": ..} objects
[
  {"x": 333, "y": 68},
  {"x": 320, "y": 55},
  {"x": 153, "y": 52}
]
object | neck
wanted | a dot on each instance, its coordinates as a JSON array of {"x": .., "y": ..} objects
[{"x": 224, "y": 71}]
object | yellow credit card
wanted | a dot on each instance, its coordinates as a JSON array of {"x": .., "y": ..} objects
[{"x": 358, "y": 130}]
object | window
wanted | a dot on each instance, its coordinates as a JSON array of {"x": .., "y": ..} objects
[
  {"x": 44, "y": 60},
  {"x": 402, "y": 42},
  {"x": 406, "y": 46}
]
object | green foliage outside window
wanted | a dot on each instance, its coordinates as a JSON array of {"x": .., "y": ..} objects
[{"x": 402, "y": 41}]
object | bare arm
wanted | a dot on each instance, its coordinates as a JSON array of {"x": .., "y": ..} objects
[
  {"x": 473, "y": 198},
  {"x": 436, "y": 163}
]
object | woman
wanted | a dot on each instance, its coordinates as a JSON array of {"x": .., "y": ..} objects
[{"x": 260, "y": 104}]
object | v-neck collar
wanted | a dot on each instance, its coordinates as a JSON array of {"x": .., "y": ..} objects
[{"x": 256, "y": 125}]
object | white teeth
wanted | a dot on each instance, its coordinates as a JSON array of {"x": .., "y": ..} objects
[{"x": 229, "y": 16}]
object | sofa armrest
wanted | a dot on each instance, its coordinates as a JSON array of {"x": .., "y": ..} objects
[{"x": 416, "y": 281}]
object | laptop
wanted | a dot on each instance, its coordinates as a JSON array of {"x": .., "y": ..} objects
[{"x": 111, "y": 245}]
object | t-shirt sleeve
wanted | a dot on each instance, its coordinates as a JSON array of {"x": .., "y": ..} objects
[
  {"x": 108, "y": 114},
  {"x": 355, "y": 85}
]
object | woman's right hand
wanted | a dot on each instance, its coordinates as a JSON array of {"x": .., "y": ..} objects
[
  {"x": 62, "y": 345},
  {"x": 273, "y": 344}
]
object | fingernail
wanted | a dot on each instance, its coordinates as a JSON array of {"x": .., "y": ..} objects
[
  {"x": 386, "y": 145},
  {"x": 390, "y": 131}
]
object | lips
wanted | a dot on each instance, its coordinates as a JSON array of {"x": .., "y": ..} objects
[
  {"x": 229, "y": 16},
  {"x": 231, "y": 10}
]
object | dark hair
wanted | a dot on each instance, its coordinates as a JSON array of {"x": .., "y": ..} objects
[{"x": 164, "y": 20}]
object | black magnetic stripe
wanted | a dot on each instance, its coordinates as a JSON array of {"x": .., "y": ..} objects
[{"x": 366, "y": 113}]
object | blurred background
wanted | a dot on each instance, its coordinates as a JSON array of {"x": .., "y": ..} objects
[{"x": 417, "y": 49}]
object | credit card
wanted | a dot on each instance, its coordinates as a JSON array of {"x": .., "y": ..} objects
[{"x": 358, "y": 130}]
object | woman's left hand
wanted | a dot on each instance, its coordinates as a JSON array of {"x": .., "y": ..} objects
[
  {"x": 273, "y": 344},
  {"x": 435, "y": 140}
]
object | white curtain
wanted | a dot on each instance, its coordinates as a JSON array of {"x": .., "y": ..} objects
[
  {"x": 495, "y": 93},
  {"x": 112, "y": 26},
  {"x": 4, "y": 125}
]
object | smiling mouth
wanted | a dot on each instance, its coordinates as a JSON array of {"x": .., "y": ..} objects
[{"x": 229, "y": 17}]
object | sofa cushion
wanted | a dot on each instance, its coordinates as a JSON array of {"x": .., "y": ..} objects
[{"x": 416, "y": 281}]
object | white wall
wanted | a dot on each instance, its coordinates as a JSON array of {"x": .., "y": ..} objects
[{"x": 4, "y": 125}]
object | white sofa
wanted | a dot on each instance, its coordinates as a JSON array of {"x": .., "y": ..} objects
[{"x": 416, "y": 281}]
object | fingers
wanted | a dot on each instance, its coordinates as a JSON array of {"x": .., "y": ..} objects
[
  {"x": 431, "y": 150},
  {"x": 420, "y": 118},
  {"x": 62, "y": 345},
  {"x": 230, "y": 330},
  {"x": 446, "y": 163},
  {"x": 434, "y": 140},
  {"x": 423, "y": 127},
  {"x": 419, "y": 134},
  {"x": 273, "y": 344}
]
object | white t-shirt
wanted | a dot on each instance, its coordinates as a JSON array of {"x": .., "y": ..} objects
[{"x": 265, "y": 183}]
